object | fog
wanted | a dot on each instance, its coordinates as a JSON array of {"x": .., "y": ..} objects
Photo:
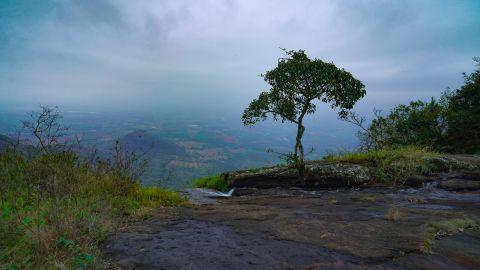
[{"x": 208, "y": 55}]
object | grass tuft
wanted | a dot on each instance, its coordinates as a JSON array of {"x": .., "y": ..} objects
[
  {"x": 439, "y": 229},
  {"x": 212, "y": 182},
  {"x": 155, "y": 196},
  {"x": 368, "y": 198},
  {"x": 393, "y": 214},
  {"x": 389, "y": 166}
]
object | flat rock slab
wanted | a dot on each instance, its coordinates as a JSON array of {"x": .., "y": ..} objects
[
  {"x": 297, "y": 229},
  {"x": 193, "y": 244},
  {"x": 201, "y": 245},
  {"x": 459, "y": 184}
]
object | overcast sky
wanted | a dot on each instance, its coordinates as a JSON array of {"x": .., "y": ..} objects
[{"x": 150, "y": 54}]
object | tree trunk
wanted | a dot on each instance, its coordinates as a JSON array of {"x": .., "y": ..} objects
[{"x": 299, "y": 153}]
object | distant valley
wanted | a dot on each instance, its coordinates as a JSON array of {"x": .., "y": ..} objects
[{"x": 180, "y": 148}]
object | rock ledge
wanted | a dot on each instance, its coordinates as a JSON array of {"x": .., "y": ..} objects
[{"x": 453, "y": 172}]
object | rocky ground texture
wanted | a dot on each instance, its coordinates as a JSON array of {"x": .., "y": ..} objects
[{"x": 430, "y": 224}]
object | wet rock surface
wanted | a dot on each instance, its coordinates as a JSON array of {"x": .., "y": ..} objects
[
  {"x": 293, "y": 228},
  {"x": 460, "y": 184},
  {"x": 453, "y": 181},
  {"x": 194, "y": 244}
]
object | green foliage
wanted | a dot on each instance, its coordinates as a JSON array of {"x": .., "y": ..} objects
[
  {"x": 438, "y": 229},
  {"x": 419, "y": 123},
  {"x": 295, "y": 84},
  {"x": 213, "y": 182},
  {"x": 389, "y": 166},
  {"x": 450, "y": 124},
  {"x": 55, "y": 209},
  {"x": 463, "y": 116}
]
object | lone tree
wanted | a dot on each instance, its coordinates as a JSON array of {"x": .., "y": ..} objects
[{"x": 296, "y": 83}]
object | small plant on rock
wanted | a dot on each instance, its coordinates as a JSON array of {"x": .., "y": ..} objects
[{"x": 393, "y": 214}]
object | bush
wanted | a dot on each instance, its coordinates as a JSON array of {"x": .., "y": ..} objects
[
  {"x": 449, "y": 124},
  {"x": 463, "y": 116},
  {"x": 419, "y": 123},
  {"x": 213, "y": 182},
  {"x": 389, "y": 166},
  {"x": 56, "y": 209}
]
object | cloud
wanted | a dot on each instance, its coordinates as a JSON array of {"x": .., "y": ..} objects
[{"x": 146, "y": 54}]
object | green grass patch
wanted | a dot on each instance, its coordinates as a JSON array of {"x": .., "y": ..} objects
[
  {"x": 55, "y": 209},
  {"x": 439, "y": 229},
  {"x": 389, "y": 166},
  {"x": 153, "y": 197},
  {"x": 368, "y": 198},
  {"x": 212, "y": 182}
]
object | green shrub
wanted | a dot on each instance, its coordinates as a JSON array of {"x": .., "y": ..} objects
[
  {"x": 418, "y": 123},
  {"x": 463, "y": 134},
  {"x": 448, "y": 124},
  {"x": 213, "y": 182},
  {"x": 389, "y": 166},
  {"x": 56, "y": 209}
]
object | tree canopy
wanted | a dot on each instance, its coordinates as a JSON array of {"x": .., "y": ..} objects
[{"x": 296, "y": 82}]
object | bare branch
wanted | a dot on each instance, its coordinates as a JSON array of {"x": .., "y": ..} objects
[{"x": 45, "y": 127}]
